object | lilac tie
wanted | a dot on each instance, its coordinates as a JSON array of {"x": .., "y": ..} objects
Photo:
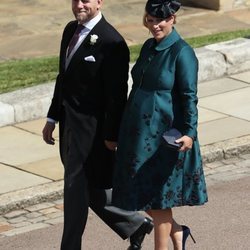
[{"x": 75, "y": 38}]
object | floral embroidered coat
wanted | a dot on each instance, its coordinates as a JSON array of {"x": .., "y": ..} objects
[{"x": 164, "y": 94}]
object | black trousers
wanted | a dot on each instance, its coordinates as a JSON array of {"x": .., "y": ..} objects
[{"x": 79, "y": 191}]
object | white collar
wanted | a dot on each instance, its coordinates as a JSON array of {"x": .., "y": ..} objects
[{"x": 91, "y": 23}]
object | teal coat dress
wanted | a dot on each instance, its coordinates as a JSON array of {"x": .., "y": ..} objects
[{"x": 164, "y": 95}]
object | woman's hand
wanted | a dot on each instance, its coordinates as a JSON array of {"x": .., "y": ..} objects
[{"x": 187, "y": 143}]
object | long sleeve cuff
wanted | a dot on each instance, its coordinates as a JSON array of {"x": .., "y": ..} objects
[{"x": 51, "y": 120}]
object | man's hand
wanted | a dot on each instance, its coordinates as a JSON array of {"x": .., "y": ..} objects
[
  {"x": 48, "y": 133},
  {"x": 111, "y": 145}
]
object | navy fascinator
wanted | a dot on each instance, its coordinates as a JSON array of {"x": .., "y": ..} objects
[{"x": 162, "y": 8}]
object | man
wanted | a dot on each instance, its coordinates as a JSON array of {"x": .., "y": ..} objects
[{"x": 89, "y": 98}]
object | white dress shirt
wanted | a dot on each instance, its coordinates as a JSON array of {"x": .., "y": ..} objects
[{"x": 88, "y": 26}]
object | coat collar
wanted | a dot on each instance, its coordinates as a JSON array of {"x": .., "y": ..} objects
[{"x": 167, "y": 41}]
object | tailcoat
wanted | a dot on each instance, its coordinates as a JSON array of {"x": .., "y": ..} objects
[
  {"x": 88, "y": 101},
  {"x": 92, "y": 94}
]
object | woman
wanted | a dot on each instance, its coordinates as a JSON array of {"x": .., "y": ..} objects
[{"x": 149, "y": 176}]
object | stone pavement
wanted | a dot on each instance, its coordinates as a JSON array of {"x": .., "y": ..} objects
[
  {"x": 30, "y": 171},
  {"x": 33, "y": 28},
  {"x": 20, "y": 223}
]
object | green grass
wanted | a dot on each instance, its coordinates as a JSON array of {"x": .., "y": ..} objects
[
  {"x": 197, "y": 42},
  {"x": 200, "y": 41},
  {"x": 16, "y": 74}
]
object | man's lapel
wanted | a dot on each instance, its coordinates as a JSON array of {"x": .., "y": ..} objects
[
  {"x": 86, "y": 48},
  {"x": 65, "y": 42}
]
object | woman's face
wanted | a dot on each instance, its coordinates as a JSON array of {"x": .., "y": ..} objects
[{"x": 159, "y": 27}]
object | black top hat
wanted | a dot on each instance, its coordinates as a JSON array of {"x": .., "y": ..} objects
[{"x": 162, "y": 8}]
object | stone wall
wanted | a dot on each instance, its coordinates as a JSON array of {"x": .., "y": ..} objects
[{"x": 217, "y": 4}]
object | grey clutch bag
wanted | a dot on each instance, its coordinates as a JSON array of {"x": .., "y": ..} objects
[{"x": 169, "y": 138}]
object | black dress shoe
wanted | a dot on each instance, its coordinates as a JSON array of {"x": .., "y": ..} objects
[{"x": 138, "y": 236}]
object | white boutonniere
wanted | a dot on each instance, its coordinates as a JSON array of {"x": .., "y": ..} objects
[{"x": 93, "y": 39}]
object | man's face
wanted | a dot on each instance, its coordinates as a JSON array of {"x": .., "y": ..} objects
[{"x": 85, "y": 10}]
